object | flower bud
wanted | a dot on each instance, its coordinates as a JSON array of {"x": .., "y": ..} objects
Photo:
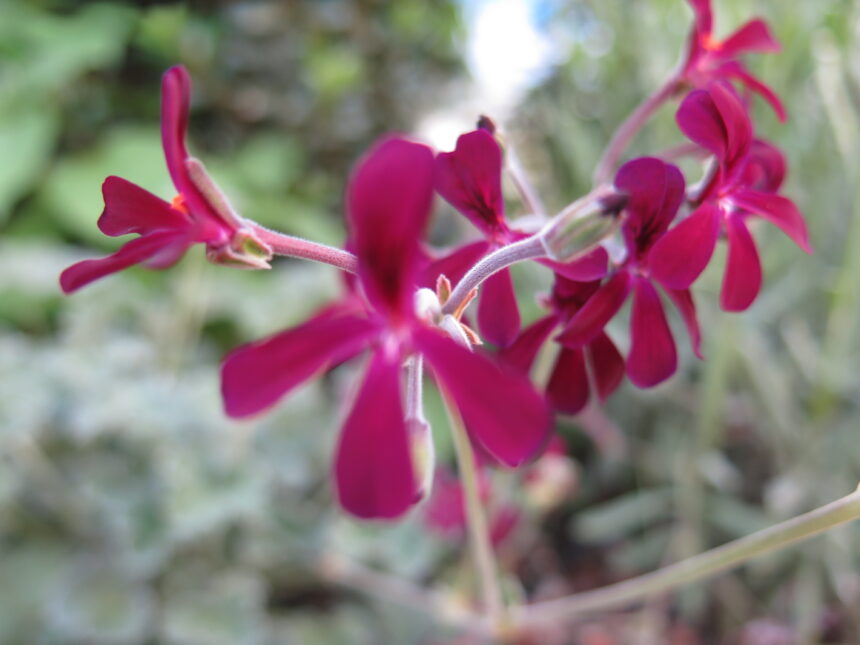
[
  {"x": 582, "y": 227},
  {"x": 245, "y": 250}
]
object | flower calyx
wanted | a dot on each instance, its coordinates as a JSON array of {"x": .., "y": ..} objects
[{"x": 428, "y": 308}]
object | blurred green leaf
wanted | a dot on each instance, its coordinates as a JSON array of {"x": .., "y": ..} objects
[{"x": 28, "y": 137}]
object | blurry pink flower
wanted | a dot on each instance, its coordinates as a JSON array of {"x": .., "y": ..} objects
[
  {"x": 656, "y": 190},
  {"x": 470, "y": 179},
  {"x": 166, "y": 230},
  {"x": 388, "y": 204},
  {"x": 748, "y": 175},
  {"x": 710, "y": 59}
]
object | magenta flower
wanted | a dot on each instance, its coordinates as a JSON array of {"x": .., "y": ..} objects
[
  {"x": 655, "y": 190},
  {"x": 388, "y": 205},
  {"x": 568, "y": 386},
  {"x": 710, "y": 59},
  {"x": 744, "y": 185},
  {"x": 198, "y": 214},
  {"x": 470, "y": 179}
]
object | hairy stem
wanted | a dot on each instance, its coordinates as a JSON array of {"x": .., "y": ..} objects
[
  {"x": 296, "y": 247},
  {"x": 631, "y": 126},
  {"x": 699, "y": 567},
  {"x": 527, "y": 249},
  {"x": 476, "y": 519}
]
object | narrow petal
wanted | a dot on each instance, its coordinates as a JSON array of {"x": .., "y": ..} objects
[
  {"x": 255, "y": 376},
  {"x": 734, "y": 69},
  {"x": 498, "y": 313},
  {"x": 753, "y": 36},
  {"x": 742, "y": 280},
  {"x": 607, "y": 365},
  {"x": 470, "y": 179},
  {"x": 388, "y": 205},
  {"x": 683, "y": 252},
  {"x": 175, "y": 105},
  {"x": 589, "y": 321},
  {"x": 655, "y": 190},
  {"x": 703, "y": 15},
  {"x": 736, "y": 121},
  {"x": 454, "y": 264},
  {"x": 652, "y": 358},
  {"x": 131, "y": 209},
  {"x": 522, "y": 352},
  {"x": 501, "y": 409},
  {"x": 683, "y": 300},
  {"x": 567, "y": 389},
  {"x": 764, "y": 169},
  {"x": 373, "y": 468},
  {"x": 593, "y": 266},
  {"x": 135, "y": 251},
  {"x": 779, "y": 211}
]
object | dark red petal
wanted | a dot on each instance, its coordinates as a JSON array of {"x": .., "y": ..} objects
[
  {"x": 589, "y": 321},
  {"x": 753, "y": 36},
  {"x": 736, "y": 120},
  {"x": 683, "y": 252},
  {"x": 501, "y": 409},
  {"x": 778, "y": 210},
  {"x": 470, "y": 179},
  {"x": 593, "y": 266},
  {"x": 498, "y": 313},
  {"x": 255, "y": 376},
  {"x": 683, "y": 300},
  {"x": 734, "y": 69},
  {"x": 454, "y": 264},
  {"x": 175, "y": 105},
  {"x": 742, "y": 280},
  {"x": 655, "y": 190},
  {"x": 567, "y": 389},
  {"x": 700, "y": 121},
  {"x": 607, "y": 365},
  {"x": 131, "y": 209},
  {"x": 136, "y": 251},
  {"x": 388, "y": 205},
  {"x": 652, "y": 358},
  {"x": 522, "y": 352},
  {"x": 373, "y": 468}
]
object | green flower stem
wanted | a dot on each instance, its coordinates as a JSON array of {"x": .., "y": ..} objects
[
  {"x": 699, "y": 567},
  {"x": 476, "y": 519}
]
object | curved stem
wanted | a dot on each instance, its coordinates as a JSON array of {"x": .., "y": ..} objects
[
  {"x": 846, "y": 509},
  {"x": 296, "y": 247},
  {"x": 527, "y": 249},
  {"x": 476, "y": 519},
  {"x": 631, "y": 126}
]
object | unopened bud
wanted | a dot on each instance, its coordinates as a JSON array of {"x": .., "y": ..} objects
[
  {"x": 244, "y": 250},
  {"x": 582, "y": 227}
]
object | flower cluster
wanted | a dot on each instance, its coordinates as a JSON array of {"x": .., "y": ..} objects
[{"x": 644, "y": 236}]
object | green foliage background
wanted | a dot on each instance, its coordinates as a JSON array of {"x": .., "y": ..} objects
[{"x": 132, "y": 511}]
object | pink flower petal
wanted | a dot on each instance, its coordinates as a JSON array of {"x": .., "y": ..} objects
[
  {"x": 175, "y": 105},
  {"x": 734, "y": 69},
  {"x": 567, "y": 389},
  {"x": 703, "y": 15},
  {"x": 500, "y": 408},
  {"x": 131, "y": 209},
  {"x": 522, "y": 352},
  {"x": 742, "y": 280},
  {"x": 255, "y": 376},
  {"x": 498, "y": 313},
  {"x": 652, "y": 358},
  {"x": 683, "y": 252},
  {"x": 589, "y": 321},
  {"x": 593, "y": 266},
  {"x": 764, "y": 169},
  {"x": 470, "y": 179},
  {"x": 736, "y": 121},
  {"x": 607, "y": 365},
  {"x": 656, "y": 190},
  {"x": 388, "y": 205},
  {"x": 135, "y": 251},
  {"x": 700, "y": 121},
  {"x": 455, "y": 264},
  {"x": 683, "y": 300},
  {"x": 373, "y": 467},
  {"x": 753, "y": 36},
  {"x": 778, "y": 210}
]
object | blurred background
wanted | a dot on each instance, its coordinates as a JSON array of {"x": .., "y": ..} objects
[{"x": 133, "y": 512}]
